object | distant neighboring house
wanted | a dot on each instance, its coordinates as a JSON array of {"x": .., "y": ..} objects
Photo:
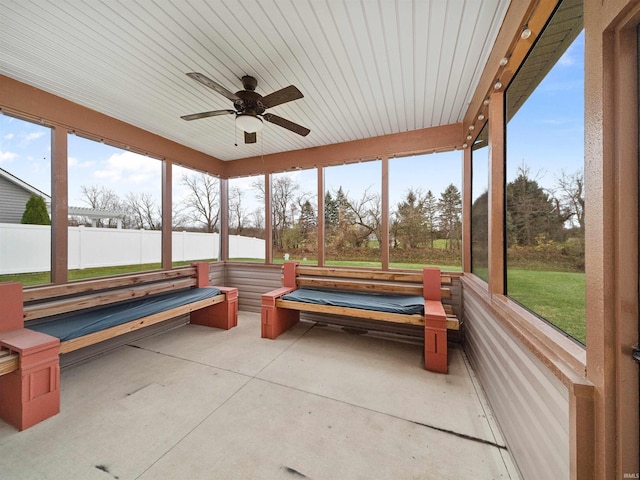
[{"x": 14, "y": 194}]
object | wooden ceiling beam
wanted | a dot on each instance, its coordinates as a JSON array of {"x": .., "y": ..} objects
[
  {"x": 30, "y": 103},
  {"x": 426, "y": 140}
]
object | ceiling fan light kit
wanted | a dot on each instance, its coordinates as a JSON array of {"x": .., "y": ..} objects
[
  {"x": 250, "y": 106},
  {"x": 248, "y": 123}
]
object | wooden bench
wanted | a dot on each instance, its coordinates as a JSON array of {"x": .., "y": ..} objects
[
  {"x": 278, "y": 314},
  {"x": 29, "y": 359}
]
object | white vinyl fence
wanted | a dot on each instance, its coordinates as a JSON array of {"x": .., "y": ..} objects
[{"x": 27, "y": 248}]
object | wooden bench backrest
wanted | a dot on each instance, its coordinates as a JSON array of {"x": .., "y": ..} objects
[
  {"x": 50, "y": 300},
  {"x": 401, "y": 283}
]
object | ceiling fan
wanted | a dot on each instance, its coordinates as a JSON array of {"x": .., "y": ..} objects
[{"x": 250, "y": 106}]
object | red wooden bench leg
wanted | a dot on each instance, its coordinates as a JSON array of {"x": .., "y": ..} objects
[
  {"x": 31, "y": 393},
  {"x": 221, "y": 315},
  {"x": 276, "y": 321},
  {"x": 435, "y": 337}
]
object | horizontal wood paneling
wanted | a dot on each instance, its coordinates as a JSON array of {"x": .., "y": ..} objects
[
  {"x": 252, "y": 280},
  {"x": 530, "y": 404},
  {"x": 217, "y": 274}
]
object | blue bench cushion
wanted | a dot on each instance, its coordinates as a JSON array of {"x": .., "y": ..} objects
[
  {"x": 406, "y": 304},
  {"x": 83, "y": 322}
]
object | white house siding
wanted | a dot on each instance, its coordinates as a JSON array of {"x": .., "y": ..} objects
[{"x": 13, "y": 201}]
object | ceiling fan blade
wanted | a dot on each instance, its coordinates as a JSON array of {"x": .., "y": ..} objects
[
  {"x": 288, "y": 124},
  {"x": 250, "y": 137},
  {"x": 213, "y": 85},
  {"x": 213, "y": 113},
  {"x": 281, "y": 96}
]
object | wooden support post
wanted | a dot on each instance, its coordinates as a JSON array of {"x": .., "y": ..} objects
[
  {"x": 11, "y": 312},
  {"x": 167, "y": 215},
  {"x": 289, "y": 271},
  {"x": 202, "y": 274}
]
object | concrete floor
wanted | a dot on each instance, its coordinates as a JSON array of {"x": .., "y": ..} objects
[{"x": 318, "y": 403}]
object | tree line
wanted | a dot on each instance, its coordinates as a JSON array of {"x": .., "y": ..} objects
[
  {"x": 535, "y": 216},
  {"x": 355, "y": 221},
  {"x": 537, "y": 220},
  {"x": 198, "y": 211},
  {"x": 351, "y": 221}
]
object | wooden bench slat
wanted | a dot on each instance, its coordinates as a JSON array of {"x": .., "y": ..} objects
[
  {"x": 412, "y": 277},
  {"x": 407, "y": 277},
  {"x": 99, "y": 299},
  {"x": 93, "y": 338},
  {"x": 374, "y": 287},
  {"x": 9, "y": 362},
  {"x": 452, "y": 322},
  {"x": 89, "y": 286}
]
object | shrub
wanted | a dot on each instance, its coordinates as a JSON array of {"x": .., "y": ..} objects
[{"x": 35, "y": 212}]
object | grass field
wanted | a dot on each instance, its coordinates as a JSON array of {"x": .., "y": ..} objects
[
  {"x": 558, "y": 297},
  {"x": 40, "y": 278}
]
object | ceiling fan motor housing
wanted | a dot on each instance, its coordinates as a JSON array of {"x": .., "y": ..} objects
[
  {"x": 249, "y": 83},
  {"x": 249, "y": 103}
]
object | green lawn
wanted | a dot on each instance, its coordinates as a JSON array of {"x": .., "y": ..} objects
[
  {"x": 41, "y": 278},
  {"x": 355, "y": 263},
  {"x": 558, "y": 297}
]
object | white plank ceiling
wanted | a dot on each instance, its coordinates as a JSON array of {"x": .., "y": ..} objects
[{"x": 366, "y": 68}]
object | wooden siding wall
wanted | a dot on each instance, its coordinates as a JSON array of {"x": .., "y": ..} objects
[
  {"x": 13, "y": 201},
  {"x": 217, "y": 274},
  {"x": 252, "y": 280},
  {"x": 529, "y": 402}
]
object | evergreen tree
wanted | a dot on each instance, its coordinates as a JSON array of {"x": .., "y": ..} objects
[
  {"x": 330, "y": 211},
  {"x": 531, "y": 212},
  {"x": 450, "y": 211},
  {"x": 35, "y": 212},
  {"x": 411, "y": 220},
  {"x": 344, "y": 211},
  {"x": 431, "y": 217},
  {"x": 307, "y": 220}
]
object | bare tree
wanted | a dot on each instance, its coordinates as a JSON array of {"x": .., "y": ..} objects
[
  {"x": 144, "y": 211},
  {"x": 103, "y": 199},
  {"x": 285, "y": 203},
  {"x": 257, "y": 217},
  {"x": 571, "y": 198},
  {"x": 202, "y": 205},
  {"x": 362, "y": 216},
  {"x": 236, "y": 211}
]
